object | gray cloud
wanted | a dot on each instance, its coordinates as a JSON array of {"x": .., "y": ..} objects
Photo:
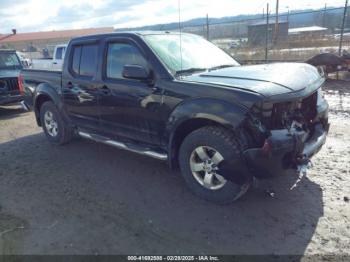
[
  {"x": 103, "y": 16},
  {"x": 67, "y": 14},
  {"x": 86, "y": 11},
  {"x": 6, "y": 3}
]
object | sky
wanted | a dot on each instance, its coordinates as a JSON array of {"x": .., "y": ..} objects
[{"x": 47, "y": 15}]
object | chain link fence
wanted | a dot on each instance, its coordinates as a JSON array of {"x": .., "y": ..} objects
[{"x": 292, "y": 36}]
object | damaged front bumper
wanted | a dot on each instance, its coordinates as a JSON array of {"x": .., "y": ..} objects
[{"x": 287, "y": 149}]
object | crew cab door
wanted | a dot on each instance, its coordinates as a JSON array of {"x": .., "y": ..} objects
[
  {"x": 80, "y": 87},
  {"x": 129, "y": 108}
]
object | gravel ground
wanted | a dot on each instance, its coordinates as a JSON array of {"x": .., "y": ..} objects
[{"x": 88, "y": 198}]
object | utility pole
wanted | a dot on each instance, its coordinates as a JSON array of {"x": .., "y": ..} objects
[
  {"x": 267, "y": 33},
  {"x": 277, "y": 22},
  {"x": 324, "y": 15},
  {"x": 342, "y": 27},
  {"x": 207, "y": 27}
]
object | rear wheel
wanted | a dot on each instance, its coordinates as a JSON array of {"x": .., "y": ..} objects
[
  {"x": 209, "y": 160},
  {"x": 55, "y": 129}
]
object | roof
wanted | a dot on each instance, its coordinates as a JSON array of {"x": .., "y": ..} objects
[
  {"x": 151, "y": 32},
  {"x": 271, "y": 21},
  {"x": 130, "y": 33},
  {"x": 22, "y": 37},
  {"x": 306, "y": 29},
  {"x": 2, "y": 37}
]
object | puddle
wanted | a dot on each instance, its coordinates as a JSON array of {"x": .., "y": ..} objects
[
  {"x": 337, "y": 93},
  {"x": 339, "y": 102}
]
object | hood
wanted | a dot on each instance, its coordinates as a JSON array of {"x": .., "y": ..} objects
[
  {"x": 9, "y": 73},
  {"x": 267, "y": 80}
]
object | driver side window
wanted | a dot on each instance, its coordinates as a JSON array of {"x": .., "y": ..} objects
[{"x": 119, "y": 55}]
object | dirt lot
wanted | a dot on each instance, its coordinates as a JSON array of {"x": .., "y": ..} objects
[{"x": 88, "y": 198}]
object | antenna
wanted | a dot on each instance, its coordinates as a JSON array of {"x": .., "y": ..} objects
[{"x": 179, "y": 8}]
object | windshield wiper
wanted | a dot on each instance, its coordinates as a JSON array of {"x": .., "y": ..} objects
[
  {"x": 190, "y": 70},
  {"x": 220, "y": 67}
]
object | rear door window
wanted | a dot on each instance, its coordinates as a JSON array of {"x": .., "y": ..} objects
[
  {"x": 84, "y": 61},
  {"x": 88, "y": 60}
]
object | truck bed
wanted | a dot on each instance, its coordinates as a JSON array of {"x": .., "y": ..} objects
[{"x": 35, "y": 77}]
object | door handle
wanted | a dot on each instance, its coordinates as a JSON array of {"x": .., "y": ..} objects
[
  {"x": 154, "y": 88},
  {"x": 105, "y": 90},
  {"x": 70, "y": 85},
  {"x": 55, "y": 63}
]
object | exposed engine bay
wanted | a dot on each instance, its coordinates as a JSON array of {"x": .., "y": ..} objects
[{"x": 287, "y": 134}]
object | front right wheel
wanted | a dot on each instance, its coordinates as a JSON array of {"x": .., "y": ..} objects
[{"x": 207, "y": 159}]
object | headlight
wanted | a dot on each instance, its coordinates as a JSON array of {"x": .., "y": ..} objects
[{"x": 2, "y": 84}]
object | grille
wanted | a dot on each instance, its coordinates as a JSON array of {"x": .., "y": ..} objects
[{"x": 12, "y": 84}]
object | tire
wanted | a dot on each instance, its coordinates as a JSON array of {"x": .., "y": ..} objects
[
  {"x": 215, "y": 187},
  {"x": 56, "y": 130}
]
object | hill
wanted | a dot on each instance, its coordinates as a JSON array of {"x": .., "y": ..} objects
[{"x": 331, "y": 19}]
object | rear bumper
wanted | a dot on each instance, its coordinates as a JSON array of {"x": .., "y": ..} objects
[
  {"x": 5, "y": 100},
  {"x": 288, "y": 149}
]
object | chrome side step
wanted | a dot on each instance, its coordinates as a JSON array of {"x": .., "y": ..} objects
[{"x": 107, "y": 141}]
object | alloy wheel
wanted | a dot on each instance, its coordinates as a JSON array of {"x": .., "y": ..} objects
[
  {"x": 50, "y": 124},
  {"x": 204, "y": 163}
]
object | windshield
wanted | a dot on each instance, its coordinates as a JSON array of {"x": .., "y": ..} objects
[
  {"x": 196, "y": 53},
  {"x": 9, "y": 61}
]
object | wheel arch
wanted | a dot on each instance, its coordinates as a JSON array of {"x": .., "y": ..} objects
[
  {"x": 189, "y": 117},
  {"x": 44, "y": 93}
]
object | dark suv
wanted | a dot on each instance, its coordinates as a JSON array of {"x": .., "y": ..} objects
[{"x": 11, "y": 90}]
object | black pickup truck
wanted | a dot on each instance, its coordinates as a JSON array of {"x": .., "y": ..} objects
[
  {"x": 181, "y": 99},
  {"x": 11, "y": 90}
]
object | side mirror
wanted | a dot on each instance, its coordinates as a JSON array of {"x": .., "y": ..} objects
[{"x": 135, "y": 72}]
